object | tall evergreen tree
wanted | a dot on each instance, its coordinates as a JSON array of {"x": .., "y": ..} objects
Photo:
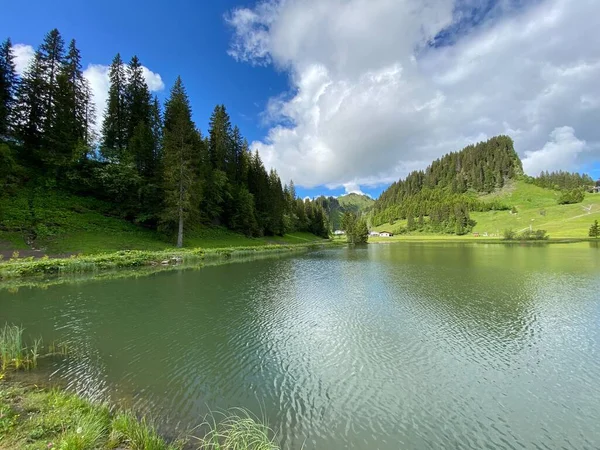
[
  {"x": 37, "y": 99},
  {"x": 8, "y": 87},
  {"x": 180, "y": 141},
  {"x": 220, "y": 138},
  {"x": 68, "y": 136},
  {"x": 114, "y": 126}
]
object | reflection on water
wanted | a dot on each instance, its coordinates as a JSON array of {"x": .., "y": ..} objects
[{"x": 387, "y": 346}]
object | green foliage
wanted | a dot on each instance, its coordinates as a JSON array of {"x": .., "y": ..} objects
[
  {"x": 335, "y": 208},
  {"x": 561, "y": 180},
  {"x": 442, "y": 191},
  {"x": 181, "y": 143},
  {"x": 355, "y": 227},
  {"x": 14, "y": 353},
  {"x": 136, "y": 434},
  {"x": 31, "y": 417},
  {"x": 594, "y": 230},
  {"x": 237, "y": 430},
  {"x": 8, "y": 87},
  {"x": 571, "y": 197},
  {"x": 526, "y": 235},
  {"x": 153, "y": 170}
]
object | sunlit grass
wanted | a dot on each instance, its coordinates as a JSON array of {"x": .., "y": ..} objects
[
  {"x": 56, "y": 419},
  {"x": 237, "y": 430},
  {"x": 14, "y": 353}
]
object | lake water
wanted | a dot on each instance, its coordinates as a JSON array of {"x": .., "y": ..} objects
[{"x": 401, "y": 346}]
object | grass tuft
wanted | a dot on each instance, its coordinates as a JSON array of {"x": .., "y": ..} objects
[{"x": 238, "y": 430}]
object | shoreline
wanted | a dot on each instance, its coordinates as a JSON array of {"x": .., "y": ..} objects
[
  {"x": 52, "y": 417},
  {"x": 31, "y": 268},
  {"x": 471, "y": 240}
]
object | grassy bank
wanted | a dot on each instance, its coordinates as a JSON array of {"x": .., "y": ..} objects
[
  {"x": 535, "y": 206},
  {"x": 26, "y": 267},
  {"x": 33, "y": 418},
  {"x": 39, "y": 418},
  {"x": 57, "y": 223}
]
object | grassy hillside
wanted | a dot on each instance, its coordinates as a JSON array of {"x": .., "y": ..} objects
[
  {"x": 355, "y": 202},
  {"x": 64, "y": 223},
  {"x": 536, "y": 207}
]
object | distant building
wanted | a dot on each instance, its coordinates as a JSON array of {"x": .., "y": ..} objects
[
  {"x": 374, "y": 233},
  {"x": 339, "y": 232},
  {"x": 385, "y": 234}
]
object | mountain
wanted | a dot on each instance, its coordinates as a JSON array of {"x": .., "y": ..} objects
[
  {"x": 335, "y": 207},
  {"x": 459, "y": 189},
  {"x": 355, "y": 202}
]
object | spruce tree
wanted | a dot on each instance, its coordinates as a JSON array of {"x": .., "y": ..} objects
[
  {"x": 594, "y": 230},
  {"x": 180, "y": 141},
  {"x": 114, "y": 126},
  {"x": 138, "y": 104},
  {"x": 220, "y": 139},
  {"x": 68, "y": 136},
  {"x": 8, "y": 87}
]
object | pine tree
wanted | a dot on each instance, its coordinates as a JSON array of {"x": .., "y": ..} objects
[
  {"x": 68, "y": 136},
  {"x": 37, "y": 100},
  {"x": 114, "y": 127},
  {"x": 8, "y": 87},
  {"x": 220, "y": 139},
  {"x": 594, "y": 230},
  {"x": 138, "y": 105},
  {"x": 180, "y": 141}
]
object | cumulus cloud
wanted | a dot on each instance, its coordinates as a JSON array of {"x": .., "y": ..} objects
[
  {"x": 370, "y": 98},
  {"x": 23, "y": 55},
  {"x": 561, "y": 151},
  {"x": 96, "y": 74}
]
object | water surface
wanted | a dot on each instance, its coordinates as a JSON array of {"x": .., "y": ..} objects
[{"x": 403, "y": 346}]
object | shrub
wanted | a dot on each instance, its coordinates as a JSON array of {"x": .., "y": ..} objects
[
  {"x": 570, "y": 197},
  {"x": 509, "y": 234}
]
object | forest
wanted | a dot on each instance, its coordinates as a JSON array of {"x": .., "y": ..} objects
[
  {"x": 441, "y": 191},
  {"x": 150, "y": 161}
]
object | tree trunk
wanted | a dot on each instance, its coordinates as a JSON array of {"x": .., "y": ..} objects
[{"x": 180, "y": 232}]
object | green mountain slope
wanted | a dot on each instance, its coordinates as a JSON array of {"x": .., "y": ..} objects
[
  {"x": 55, "y": 222},
  {"x": 355, "y": 202},
  {"x": 535, "y": 206}
]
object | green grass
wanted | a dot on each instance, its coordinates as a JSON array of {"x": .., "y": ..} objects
[
  {"x": 355, "y": 202},
  {"x": 66, "y": 223},
  {"x": 560, "y": 221},
  {"x": 33, "y": 418},
  {"x": 14, "y": 353}
]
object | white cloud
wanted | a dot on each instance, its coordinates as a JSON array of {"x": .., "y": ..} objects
[
  {"x": 561, "y": 151},
  {"x": 370, "y": 100},
  {"x": 23, "y": 55}
]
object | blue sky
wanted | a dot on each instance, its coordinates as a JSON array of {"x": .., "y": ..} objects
[{"x": 192, "y": 39}]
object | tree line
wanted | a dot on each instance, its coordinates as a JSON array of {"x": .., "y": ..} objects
[
  {"x": 438, "y": 198},
  {"x": 561, "y": 180},
  {"x": 149, "y": 160}
]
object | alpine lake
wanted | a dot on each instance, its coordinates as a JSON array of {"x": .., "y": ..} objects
[{"x": 386, "y": 346}]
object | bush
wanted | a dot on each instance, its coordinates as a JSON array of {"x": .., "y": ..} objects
[
  {"x": 571, "y": 197},
  {"x": 509, "y": 234}
]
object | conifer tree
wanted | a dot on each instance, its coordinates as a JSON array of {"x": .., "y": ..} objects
[
  {"x": 595, "y": 230},
  {"x": 68, "y": 136},
  {"x": 114, "y": 126},
  {"x": 37, "y": 97},
  {"x": 220, "y": 138},
  {"x": 8, "y": 87},
  {"x": 180, "y": 141}
]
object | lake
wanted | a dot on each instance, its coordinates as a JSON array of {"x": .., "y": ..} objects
[{"x": 398, "y": 346}]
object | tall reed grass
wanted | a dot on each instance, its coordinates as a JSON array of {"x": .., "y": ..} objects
[{"x": 14, "y": 353}]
